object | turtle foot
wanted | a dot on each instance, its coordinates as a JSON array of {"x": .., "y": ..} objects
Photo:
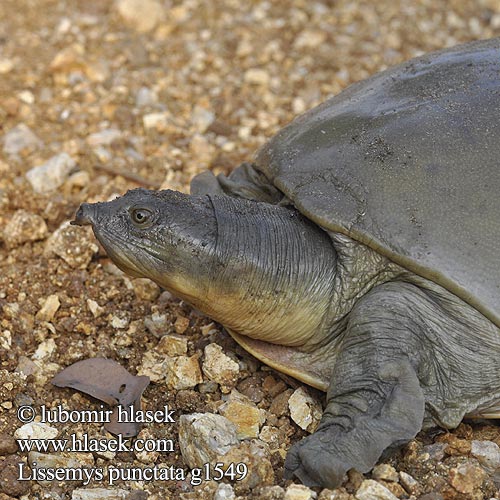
[{"x": 315, "y": 461}]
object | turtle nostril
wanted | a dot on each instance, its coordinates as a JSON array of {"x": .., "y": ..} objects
[{"x": 84, "y": 215}]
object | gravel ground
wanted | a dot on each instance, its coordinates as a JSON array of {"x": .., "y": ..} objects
[{"x": 110, "y": 96}]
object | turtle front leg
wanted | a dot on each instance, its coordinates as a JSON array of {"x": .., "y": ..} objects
[{"x": 374, "y": 402}]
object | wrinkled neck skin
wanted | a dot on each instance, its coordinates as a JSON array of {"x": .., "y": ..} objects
[{"x": 268, "y": 273}]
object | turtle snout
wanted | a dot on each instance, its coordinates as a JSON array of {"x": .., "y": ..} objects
[{"x": 85, "y": 215}]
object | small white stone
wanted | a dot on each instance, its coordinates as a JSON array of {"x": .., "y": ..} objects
[
  {"x": 44, "y": 350},
  {"x": 18, "y": 138},
  {"x": 202, "y": 118},
  {"x": 172, "y": 345},
  {"x": 155, "y": 366},
  {"x": 243, "y": 413},
  {"x": 119, "y": 323},
  {"x": 58, "y": 461},
  {"x": 52, "y": 174},
  {"x": 141, "y": 15},
  {"x": 299, "y": 492},
  {"x": 184, "y": 373},
  {"x": 99, "y": 494},
  {"x": 24, "y": 226},
  {"x": 224, "y": 492},
  {"x": 26, "y": 96},
  {"x": 156, "y": 120},
  {"x": 50, "y": 307},
  {"x": 257, "y": 76},
  {"x": 74, "y": 246},
  {"x": 36, "y": 430},
  {"x": 205, "y": 436},
  {"x": 386, "y": 472},
  {"x": 145, "y": 97},
  {"x": 487, "y": 453},
  {"x": 95, "y": 308},
  {"x": 371, "y": 490},
  {"x": 220, "y": 368},
  {"x": 305, "y": 411},
  {"x": 310, "y": 39},
  {"x": 409, "y": 483},
  {"x": 6, "y": 65},
  {"x": 104, "y": 137}
]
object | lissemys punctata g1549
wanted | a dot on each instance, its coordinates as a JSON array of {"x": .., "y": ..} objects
[{"x": 359, "y": 253}]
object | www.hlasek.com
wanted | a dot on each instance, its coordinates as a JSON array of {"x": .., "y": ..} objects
[{"x": 83, "y": 443}]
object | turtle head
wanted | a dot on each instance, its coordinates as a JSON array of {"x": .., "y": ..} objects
[{"x": 166, "y": 236}]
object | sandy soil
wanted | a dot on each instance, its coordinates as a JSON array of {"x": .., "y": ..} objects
[{"x": 150, "y": 97}]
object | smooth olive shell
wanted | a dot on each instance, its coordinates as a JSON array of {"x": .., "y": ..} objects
[{"x": 408, "y": 163}]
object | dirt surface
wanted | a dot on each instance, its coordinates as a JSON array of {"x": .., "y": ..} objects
[{"x": 149, "y": 97}]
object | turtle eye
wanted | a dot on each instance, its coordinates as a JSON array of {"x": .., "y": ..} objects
[{"x": 141, "y": 216}]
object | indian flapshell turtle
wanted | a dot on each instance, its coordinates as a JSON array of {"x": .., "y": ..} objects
[{"x": 359, "y": 252}]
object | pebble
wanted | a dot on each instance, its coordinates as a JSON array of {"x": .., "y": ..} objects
[
  {"x": 220, "y": 368},
  {"x": 337, "y": 494},
  {"x": 257, "y": 76},
  {"x": 299, "y": 492},
  {"x": 371, "y": 490},
  {"x": 52, "y": 174},
  {"x": 409, "y": 483},
  {"x": 78, "y": 179},
  {"x": 26, "y": 96},
  {"x": 103, "y": 154},
  {"x": 224, "y": 492},
  {"x": 145, "y": 289},
  {"x": 487, "y": 453},
  {"x": 155, "y": 366},
  {"x": 8, "y": 445},
  {"x": 386, "y": 472},
  {"x": 55, "y": 460},
  {"x": 184, "y": 373},
  {"x": 271, "y": 493},
  {"x": 467, "y": 477},
  {"x": 205, "y": 436},
  {"x": 26, "y": 366},
  {"x": 9, "y": 477},
  {"x": 44, "y": 350},
  {"x": 99, "y": 494},
  {"x": 310, "y": 39},
  {"x": 181, "y": 324},
  {"x": 172, "y": 345},
  {"x": 141, "y": 15},
  {"x": 305, "y": 411},
  {"x": 157, "y": 120},
  {"x": 24, "y": 226},
  {"x": 256, "y": 456},
  {"x": 36, "y": 430},
  {"x": 119, "y": 322},
  {"x": 435, "y": 452},
  {"x": 95, "y": 308},
  {"x": 157, "y": 324},
  {"x": 145, "y": 97},
  {"x": 74, "y": 246},
  {"x": 50, "y": 307},
  {"x": 6, "y": 65},
  {"x": 271, "y": 436},
  {"x": 104, "y": 137},
  {"x": 279, "y": 404},
  {"x": 20, "y": 138},
  {"x": 243, "y": 413},
  {"x": 202, "y": 118}
]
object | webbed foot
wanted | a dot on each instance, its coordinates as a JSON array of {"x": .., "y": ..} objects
[{"x": 323, "y": 458}]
